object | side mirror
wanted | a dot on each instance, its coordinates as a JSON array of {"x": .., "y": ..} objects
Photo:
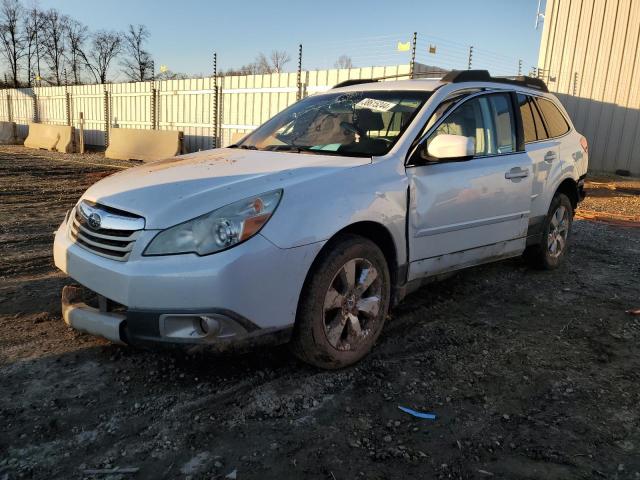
[{"x": 448, "y": 147}]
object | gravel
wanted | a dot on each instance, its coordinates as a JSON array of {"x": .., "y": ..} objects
[{"x": 531, "y": 374}]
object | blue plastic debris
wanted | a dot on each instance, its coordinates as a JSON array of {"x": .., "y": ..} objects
[{"x": 428, "y": 416}]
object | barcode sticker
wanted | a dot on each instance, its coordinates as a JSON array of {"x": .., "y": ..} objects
[{"x": 373, "y": 104}]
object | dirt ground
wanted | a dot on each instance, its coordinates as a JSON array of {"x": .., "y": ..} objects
[{"x": 532, "y": 375}]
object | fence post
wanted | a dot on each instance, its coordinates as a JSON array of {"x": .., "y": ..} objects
[
  {"x": 154, "y": 120},
  {"x": 106, "y": 118},
  {"x": 299, "y": 80},
  {"x": 152, "y": 106},
  {"x": 412, "y": 64},
  {"x": 220, "y": 101},
  {"x": 34, "y": 99},
  {"x": 81, "y": 134},
  {"x": 67, "y": 99},
  {"x": 214, "y": 105},
  {"x": 9, "y": 109},
  {"x": 470, "y": 57}
]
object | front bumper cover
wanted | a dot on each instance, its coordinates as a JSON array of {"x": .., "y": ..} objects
[{"x": 148, "y": 328}]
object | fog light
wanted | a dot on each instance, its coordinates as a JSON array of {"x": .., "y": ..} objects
[
  {"x": 198, "y": 327},
  {"x": 209, "y": 325}
]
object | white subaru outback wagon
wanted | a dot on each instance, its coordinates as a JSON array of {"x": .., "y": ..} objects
[{"x": 311, "y": 227}]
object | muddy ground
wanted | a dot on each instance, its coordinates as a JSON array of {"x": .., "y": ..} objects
[{"x": 532, "y": 375}]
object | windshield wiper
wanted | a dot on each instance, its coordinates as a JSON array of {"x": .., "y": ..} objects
[
  {"x": 245, "y": 147},
  {"x": 294, "y": 149}
]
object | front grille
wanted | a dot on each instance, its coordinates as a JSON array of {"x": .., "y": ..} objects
[{"x": 115, "y": 241}]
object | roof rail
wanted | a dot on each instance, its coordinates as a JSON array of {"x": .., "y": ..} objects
[
  {"x": 358, "y": 81},
  {"x": 459, "y": 76},
  {"x": 355, "y": 81}
]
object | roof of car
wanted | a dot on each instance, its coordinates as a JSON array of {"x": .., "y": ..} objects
[{"x": 464, "y": 78}]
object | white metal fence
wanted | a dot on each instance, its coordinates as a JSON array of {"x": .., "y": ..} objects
[{"x": 243, "y": 103}]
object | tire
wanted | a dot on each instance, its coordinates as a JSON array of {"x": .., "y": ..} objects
[
  {"x": 342, "y": 307},
  {"x": 556, "y": 233}
]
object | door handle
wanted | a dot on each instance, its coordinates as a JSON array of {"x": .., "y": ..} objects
[
  {"x": 550, "y": 156},
  {"x": 516, "y": 172}
]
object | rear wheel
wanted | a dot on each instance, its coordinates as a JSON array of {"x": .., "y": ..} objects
[
  {"x": 344, "y": 304},
  {"x": 556, "y": 229}
]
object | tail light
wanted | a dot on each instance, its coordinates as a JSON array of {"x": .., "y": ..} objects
[{"x": 584, "y": 144}]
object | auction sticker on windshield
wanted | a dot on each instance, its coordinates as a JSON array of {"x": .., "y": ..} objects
[{"x": 374, "y": 104}]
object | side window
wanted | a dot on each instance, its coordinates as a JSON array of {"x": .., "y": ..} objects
[
  {"x": 532, "y": 124},
  {"x": 505, "y": 126},
  {"x": 541, "y": 130},
  {"x": 556, "y": 123},
  {"x": 444, "y": 108},
  {"x": 487, "y": 120},
  {"x": 528, "y": 122}
]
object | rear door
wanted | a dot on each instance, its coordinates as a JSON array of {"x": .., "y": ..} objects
[
  {"x": 543, "y": 146},
  {"x": 466, "y": 212}
]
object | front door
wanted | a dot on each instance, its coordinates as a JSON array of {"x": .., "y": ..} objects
[{"x": 466, "y": 212}]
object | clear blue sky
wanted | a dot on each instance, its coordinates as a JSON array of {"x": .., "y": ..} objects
[{"x": 185, "y": 33}]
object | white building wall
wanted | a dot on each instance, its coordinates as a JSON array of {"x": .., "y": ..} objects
[{"x": 590, "y": 56}]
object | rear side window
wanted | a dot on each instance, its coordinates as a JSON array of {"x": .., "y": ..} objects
[
  {"x": 532, "y": 123},
  {"x": 556, "y": 123}
]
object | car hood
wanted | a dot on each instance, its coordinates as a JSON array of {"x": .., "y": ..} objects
[{"x": 172, "y": 191}]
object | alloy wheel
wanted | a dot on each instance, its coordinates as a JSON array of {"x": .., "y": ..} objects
[
  {"x": 558, "y": 231},
  {"x": 352, "y": 304}
]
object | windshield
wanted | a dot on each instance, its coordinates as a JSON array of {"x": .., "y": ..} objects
[{"x": 352, "y": 124}]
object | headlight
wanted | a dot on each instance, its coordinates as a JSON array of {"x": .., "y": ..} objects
[{"x": 221, "y": 229}]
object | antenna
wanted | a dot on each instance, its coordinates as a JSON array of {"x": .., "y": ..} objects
[{"x": 539, "y": 16}]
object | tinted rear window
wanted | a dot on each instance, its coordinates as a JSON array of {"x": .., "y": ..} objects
[
  {"x": 556, "y": 124},
  {"x": 532, "y": 123},
  {"x": 528, "y": 123}
]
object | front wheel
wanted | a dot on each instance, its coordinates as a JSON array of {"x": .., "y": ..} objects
[
  {"x": 344, "y": 304},
  {"x": 556, "y": 229}
]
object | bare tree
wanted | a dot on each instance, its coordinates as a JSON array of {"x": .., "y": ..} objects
[
  {"x": 105, "y": 47},
  {"x": 248, "y": 69},
  {"x": 279, "y": 58},
  {"x": 274, "y": 63},
  {"x": 137, "y": 66},
  {"x": 12, "y": 41},
  {"x": 76, "y": 34},
  {"x": 33, "y": 24},
  {"x": 171, "y": 75},
  {"x": 261, "y": 64},
  {"x": 54, "y": 42},
  {"x": 344, "y": 61}
]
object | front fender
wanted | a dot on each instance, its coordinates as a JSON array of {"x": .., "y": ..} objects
[{"x": 314, "y": 211}]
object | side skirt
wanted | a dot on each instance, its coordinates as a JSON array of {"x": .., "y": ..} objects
[
  {"x": 438, "y": 268},
  {"x": 466, "y": 258}
]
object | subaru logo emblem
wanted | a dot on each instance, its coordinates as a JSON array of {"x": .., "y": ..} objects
[{"x": 94, "y": 221}]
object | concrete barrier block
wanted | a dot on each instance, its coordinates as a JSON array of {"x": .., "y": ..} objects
[
  {"x": 146, "y": 145},
  {"x": 8, "y": 133},
  {"x": 50, "y": 137},
  {"x": 237, "y": 136}
]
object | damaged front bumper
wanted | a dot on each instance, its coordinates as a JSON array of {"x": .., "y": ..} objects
[
  {"x": 82, "y": 317},
  {"x": 215, "y": 329}
]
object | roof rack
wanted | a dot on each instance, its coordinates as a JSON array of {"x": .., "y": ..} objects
[
  {"x": 355, "y": 81},
  {"x": 460, "y": 76},
  {"x": 358, "y": 81}
]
